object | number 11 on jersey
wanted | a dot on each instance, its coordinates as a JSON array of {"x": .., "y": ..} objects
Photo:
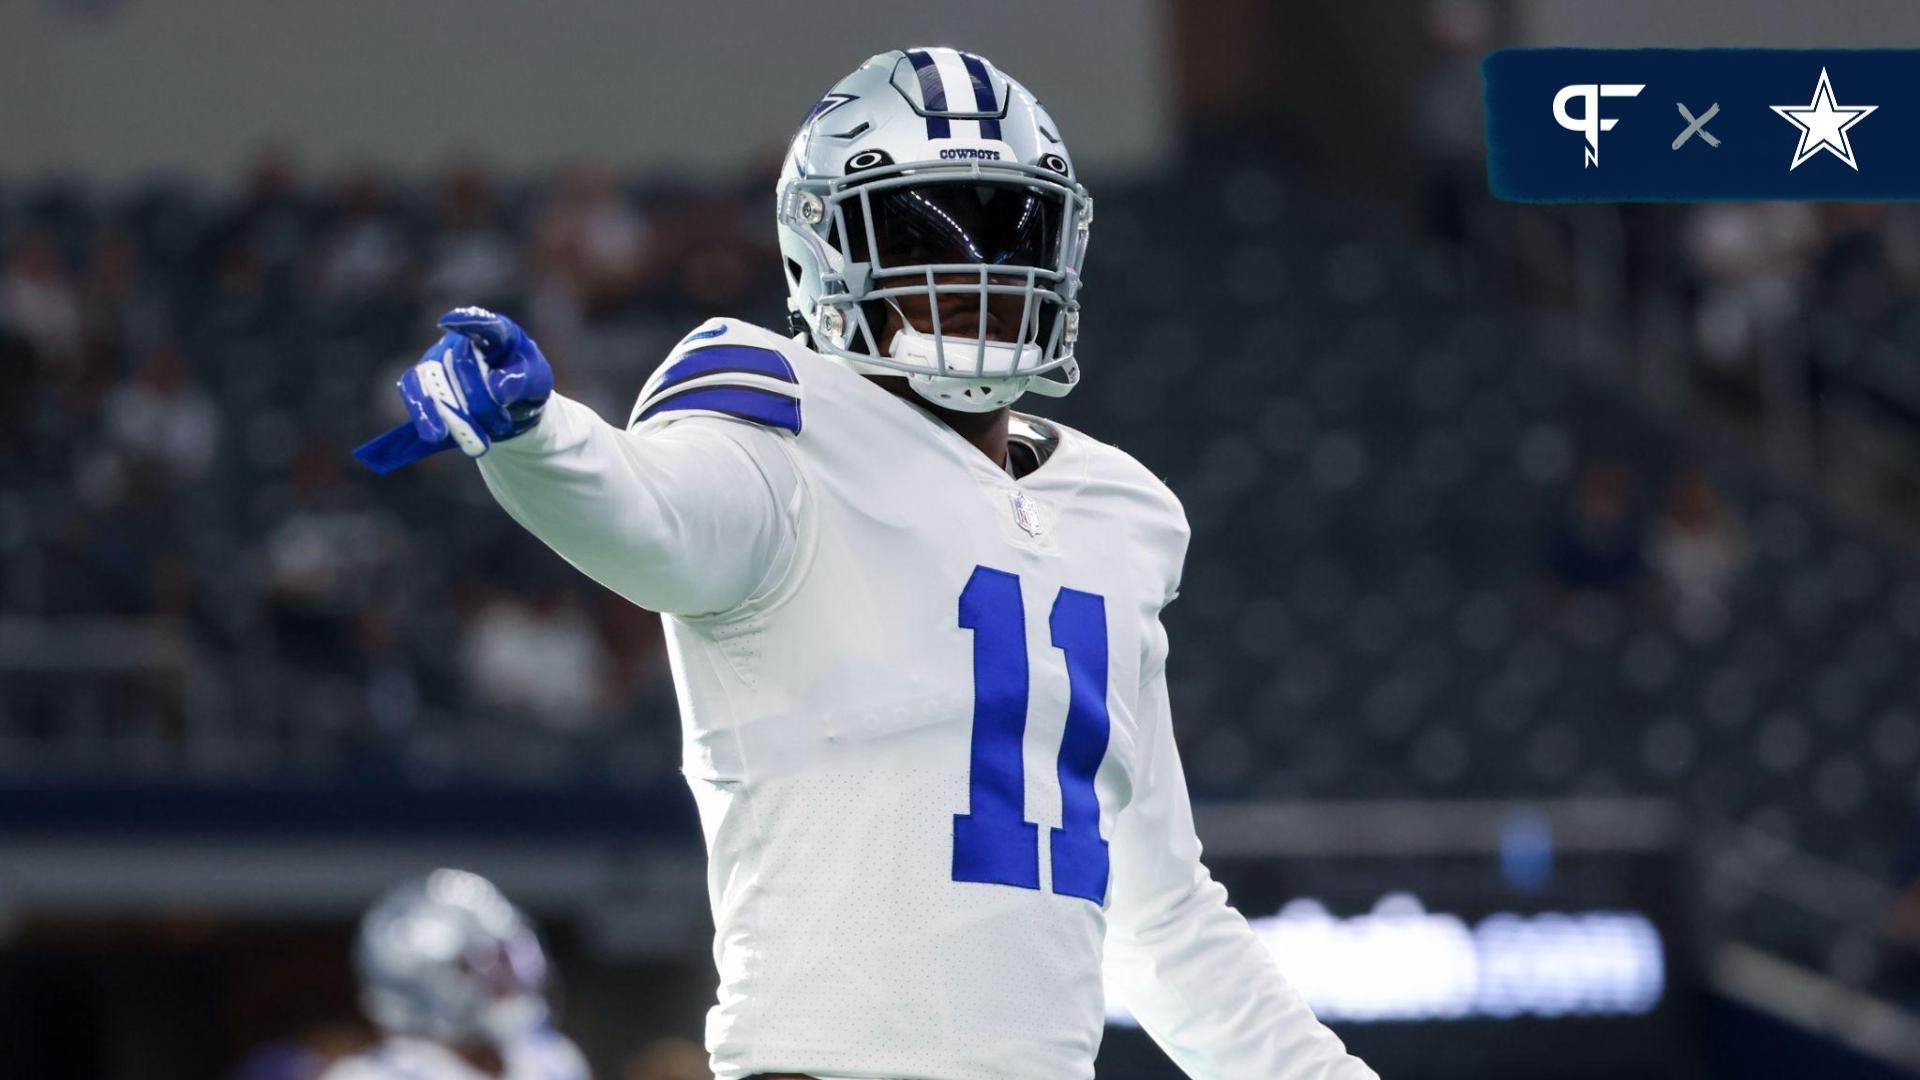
[{"x": 993, "y": 842}]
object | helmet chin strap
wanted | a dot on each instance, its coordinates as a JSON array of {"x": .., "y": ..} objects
[{"x": 992, "y": 389}]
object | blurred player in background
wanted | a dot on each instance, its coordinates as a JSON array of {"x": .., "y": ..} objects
[
  {"x": 452, "y": 974},
  {"x": 916, "y": 637}
]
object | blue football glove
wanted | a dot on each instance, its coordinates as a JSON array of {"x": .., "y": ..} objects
[{"x": 483, "y": 381}]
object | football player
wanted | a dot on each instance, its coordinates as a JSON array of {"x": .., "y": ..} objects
[
  {"x": 915, "y": 635},
  {"x": 454, "y": 977}
]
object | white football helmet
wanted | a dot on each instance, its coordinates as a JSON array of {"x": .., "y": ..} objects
[
  {"x": 928, "y": 173},
  {"x": 448, "y": 958}
]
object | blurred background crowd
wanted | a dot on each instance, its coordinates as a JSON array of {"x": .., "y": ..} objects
[
  {"x": 1490, "y": 503},
  {"x": 196, "y": 367}
]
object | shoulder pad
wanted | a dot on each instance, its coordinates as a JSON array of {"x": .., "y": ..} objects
[{"x": 725, "y": 368}]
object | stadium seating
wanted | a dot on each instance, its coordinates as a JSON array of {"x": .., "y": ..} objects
[{"x": 1377, "y": 457}]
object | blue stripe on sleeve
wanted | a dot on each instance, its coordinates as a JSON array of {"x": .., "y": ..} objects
[
  {"x": 717, "y": 358},
  {"x": 983, "y": 99},
  {"x": 745, "y": 403},
  {"x": 933, "y": 94}
]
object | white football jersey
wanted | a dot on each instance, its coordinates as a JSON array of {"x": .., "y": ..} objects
[
  {"x": 540, "y": 1054},
  {"x": 925, "y": 722}
]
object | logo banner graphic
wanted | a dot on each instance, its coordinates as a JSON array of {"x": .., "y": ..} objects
[{"x": 1693, "y": 125}]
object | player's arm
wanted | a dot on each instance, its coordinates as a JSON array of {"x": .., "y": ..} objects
[
  {"x": 1186, "y": 964},
  {"x": 691, "y": 517}
]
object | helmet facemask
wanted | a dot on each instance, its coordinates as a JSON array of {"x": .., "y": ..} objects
[{"x": 981, "y": 262}]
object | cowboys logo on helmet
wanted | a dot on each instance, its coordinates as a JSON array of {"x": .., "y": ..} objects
[{"x": 928, "y": 182}]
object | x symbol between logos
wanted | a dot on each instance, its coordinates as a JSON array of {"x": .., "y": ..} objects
[{"x": 1696, "y": 127}]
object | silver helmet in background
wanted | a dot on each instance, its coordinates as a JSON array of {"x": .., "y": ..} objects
[
  {"x": 448, "y": 958},
  {"x": 928, "y": 173}
]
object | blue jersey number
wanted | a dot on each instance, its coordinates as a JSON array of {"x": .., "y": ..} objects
[{"x": 994, "y": 842}]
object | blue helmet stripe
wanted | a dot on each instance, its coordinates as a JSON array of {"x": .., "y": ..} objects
[
  {"x": 983, "y": 99},
  {"x": 933, "y": 93},
  {"x": 743, "y": 402}
]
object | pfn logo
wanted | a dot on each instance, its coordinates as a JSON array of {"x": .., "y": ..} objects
[{"x": 1589, "y": 122}]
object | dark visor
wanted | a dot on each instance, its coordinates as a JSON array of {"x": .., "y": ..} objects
[{"x": 995, "y": 224}]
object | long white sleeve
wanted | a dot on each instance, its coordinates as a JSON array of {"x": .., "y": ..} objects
[
  {"x": 1185, "y": 963},
  {"x": 693, "y": 518}
]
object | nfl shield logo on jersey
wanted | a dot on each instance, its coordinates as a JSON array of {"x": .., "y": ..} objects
[{"x": 1026, "y": 513}]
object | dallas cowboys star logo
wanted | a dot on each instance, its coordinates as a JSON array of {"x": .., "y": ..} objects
[{"x": 1823, "y": 125}]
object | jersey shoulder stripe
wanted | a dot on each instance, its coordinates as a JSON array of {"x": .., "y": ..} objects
[
  {"x": 760, "y": 405},
  {"x": 721, "y": 359},
  {"x": 754, "y": 383}
]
